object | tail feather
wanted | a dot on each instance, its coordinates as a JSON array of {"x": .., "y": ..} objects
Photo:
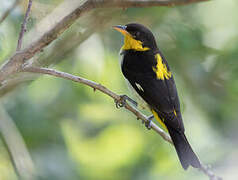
[{"x": 185, "y": 153}]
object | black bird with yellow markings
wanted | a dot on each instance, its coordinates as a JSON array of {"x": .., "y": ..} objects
[{"x": 147, "y": 71}]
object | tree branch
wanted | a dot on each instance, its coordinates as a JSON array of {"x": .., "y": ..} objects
[
  {"x": 68, "y": 44},
  {"x": 16, "y": 147},
  {"x": 23, "y": 26},
  {"x": 99, "y": 87},
  {"x": 14, "y": 64},
  {"x": 8, "y": 11},
  {"x": 141, "y": 3},
  {"x": 207, "y": 171}
]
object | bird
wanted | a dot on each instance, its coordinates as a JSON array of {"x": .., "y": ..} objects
[{"x": 149, "y": 75}]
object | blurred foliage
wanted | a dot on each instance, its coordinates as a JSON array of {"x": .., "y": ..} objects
[{"x": 73, "y": 132}]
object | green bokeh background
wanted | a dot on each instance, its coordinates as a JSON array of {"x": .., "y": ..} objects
[{"x": 73, "y": 132}]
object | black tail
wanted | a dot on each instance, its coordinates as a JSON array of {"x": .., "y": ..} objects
[{"x": 185, "y": 153}]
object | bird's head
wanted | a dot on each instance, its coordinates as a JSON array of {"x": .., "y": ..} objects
[{"x": 137, "y": 37}]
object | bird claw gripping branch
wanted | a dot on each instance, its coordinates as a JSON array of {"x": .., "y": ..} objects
[
  {"x": 148, "y": 123},
  {"x": 123, "y": 98}
]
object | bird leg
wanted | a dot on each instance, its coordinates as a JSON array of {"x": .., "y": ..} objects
[
  {"x": 121, "y": 103},
  {"x": 148, "y": 123},
  {"x": 123, "y": 98}
]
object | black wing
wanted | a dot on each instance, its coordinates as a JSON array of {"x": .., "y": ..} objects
[{"x": 161, "y": 95}]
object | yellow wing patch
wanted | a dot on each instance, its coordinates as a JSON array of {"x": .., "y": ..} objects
[
  {"x": 161, "y": 69},
  {"x": 158, "y": 119},
  {"x": 131, "y": 43}
]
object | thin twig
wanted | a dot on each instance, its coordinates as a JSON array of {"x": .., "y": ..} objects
[
  {"x": 207, "y": 171},
  {"x": 101, "y": 88},
  {"x": 9, "y": 10},
  {"x": 23, "y": 25}
]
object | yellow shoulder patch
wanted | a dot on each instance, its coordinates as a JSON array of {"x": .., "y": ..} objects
[{"x": 161, "y": 69}]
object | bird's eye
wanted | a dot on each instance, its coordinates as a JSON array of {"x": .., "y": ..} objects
[
  {"x": 133, "y": 35},
  {"x": 136, "y": 34}
]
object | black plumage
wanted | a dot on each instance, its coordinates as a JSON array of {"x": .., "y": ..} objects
[{"x": 139, "y": 65}]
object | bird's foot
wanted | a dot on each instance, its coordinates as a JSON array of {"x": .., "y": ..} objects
[
  {"x": 148, "y": 123},
  {"x": 123, "y": 98}
]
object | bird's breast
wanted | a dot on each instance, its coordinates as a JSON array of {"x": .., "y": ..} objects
[{"x": 137, "y": 62}]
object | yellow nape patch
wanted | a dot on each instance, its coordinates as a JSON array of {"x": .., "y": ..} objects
[
  {"x": 159, "y": 120},
  {"x": 133, "y": 44},
  {"x": 161, "y": 69}
]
